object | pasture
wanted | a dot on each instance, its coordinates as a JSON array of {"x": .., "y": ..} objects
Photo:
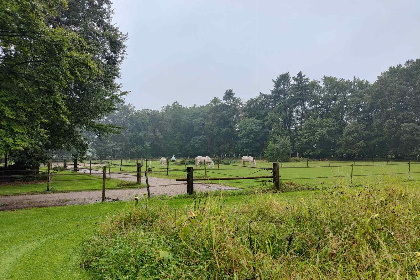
[{"x": 318, "y": 174}]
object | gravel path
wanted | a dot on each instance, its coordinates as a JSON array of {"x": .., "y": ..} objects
[{"x": 158, "y": 186}]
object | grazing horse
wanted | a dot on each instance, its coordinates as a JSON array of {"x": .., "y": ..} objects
[
  {"x": 173, "y": 158},
  {"x": 162, "y": 161},
  {"x": 206, "y": 159},
  {"x": 249, "y": 159}
]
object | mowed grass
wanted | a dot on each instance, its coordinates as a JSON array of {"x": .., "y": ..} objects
[
  {"x": 44, "y": 243},
  {"x": 64, "y": 181}
]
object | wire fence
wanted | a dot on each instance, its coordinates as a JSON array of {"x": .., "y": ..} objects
[{"x": 110, "y": 169}]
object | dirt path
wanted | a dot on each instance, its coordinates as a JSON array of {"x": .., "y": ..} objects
[{"x": 159, "y": 186}]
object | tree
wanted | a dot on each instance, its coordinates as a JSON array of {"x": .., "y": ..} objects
[
  {"x": 318, "y": 138},
  {"x": 252, "y": 136},
  {"x": 279, "y": 149},
  {"x": 395, "y": 106},
  {"x": 58, "y": 64},
  {"x": 221, "y": 124}
]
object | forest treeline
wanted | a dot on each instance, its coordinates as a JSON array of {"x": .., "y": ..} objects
[{"x": 317, "y": 119}]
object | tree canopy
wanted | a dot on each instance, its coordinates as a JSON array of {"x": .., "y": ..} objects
[
  {"x": 317, "y": 119},
  {"x": 58, "y": 64}
]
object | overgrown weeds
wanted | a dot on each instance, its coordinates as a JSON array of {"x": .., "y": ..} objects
[{"x": 371, "y": 233}]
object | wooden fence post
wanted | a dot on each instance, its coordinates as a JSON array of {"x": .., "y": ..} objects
[
  {"x": 109, "y": 170},
  {"x": 103, "y": 182},
  {"x": 409, "y": 170},
  {"x": 146, "y": 164},
  {"x": 205, "y": 169},
  {"x": 49, "y": 176},
  {"x": 121, "y": 165},
  {"x": 167, "y": 166},
  {"x": 90, "y": 167},
  {"x": 190, "y": 180},
  {"x": 218, "y": 163},
  {"x": 351, "y": 175},
  {"x": 75, "y": 169},
  {"x": 138, "y": 173},
  {"x": 307, "y": 162},
  {"x": 65, "y": 164},
  {"x": 147, "y": 183},
  {"x": 276, "y": 176}
]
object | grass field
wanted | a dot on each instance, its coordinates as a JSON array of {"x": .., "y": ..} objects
[
  {"x": 50, "y": 243},
  {"x": 318, "y": 173},
  {"x": 64, "y": 181}
]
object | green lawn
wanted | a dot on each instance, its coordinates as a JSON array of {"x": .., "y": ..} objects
[
  {"x": 44, "y": 243},
  {"x": 64, "y": 182}
]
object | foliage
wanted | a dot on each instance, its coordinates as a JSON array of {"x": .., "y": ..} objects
[
  {"x": 371, "y": 233},
  {"x": 252, "y": 136},
  {"x": 318, "y": 138},
  {"x": 279, "y": 149},
  {"x": 58, "y": 64}
]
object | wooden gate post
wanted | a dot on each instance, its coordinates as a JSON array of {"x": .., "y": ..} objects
[
  {"x": 190, "y": 180},
  {"x": 103, "y": 182},
  {"x": 276, "y": 176},
  {"x": 138, "y": 173}
]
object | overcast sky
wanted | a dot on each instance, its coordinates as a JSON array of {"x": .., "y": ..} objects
[{"x": 193, "y": 50}]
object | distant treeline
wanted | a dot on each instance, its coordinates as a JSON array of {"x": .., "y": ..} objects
[{"x": 315, "y": 119}]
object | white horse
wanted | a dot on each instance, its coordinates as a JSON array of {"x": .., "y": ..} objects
[
  {"x": 249, "y": 159},
  {"x": 206, "y": 159},
  {"x": 162, "y": 161},
  {"x": 173, "y": 158}
]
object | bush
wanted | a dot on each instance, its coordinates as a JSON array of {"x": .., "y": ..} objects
[{"x": 372, "y": 233}]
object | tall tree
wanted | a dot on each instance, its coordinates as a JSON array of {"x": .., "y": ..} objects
[
  {"x": 395, "y": 105},
  {"x": 54, "y": 82}
]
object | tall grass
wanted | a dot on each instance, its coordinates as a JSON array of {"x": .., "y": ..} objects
[{"x": 370, "y": 233}]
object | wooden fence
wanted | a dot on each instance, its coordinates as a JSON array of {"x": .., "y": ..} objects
[{"x": 190, "y": 178}]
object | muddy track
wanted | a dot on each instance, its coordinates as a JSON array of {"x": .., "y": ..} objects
[{"x": 158, "y": 186}]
